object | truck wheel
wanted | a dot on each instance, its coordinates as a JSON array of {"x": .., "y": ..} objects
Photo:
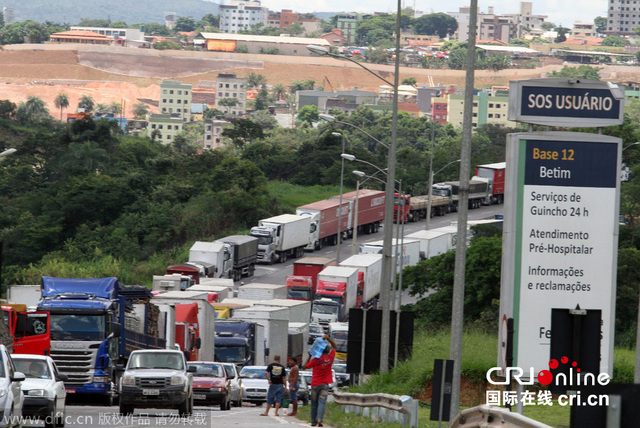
[
  {"x": 283, "y": 257},
  {"x": 273, "y": 258},
  {"x": 126, "y": 410},
  {"x": 252, "y": 268}
]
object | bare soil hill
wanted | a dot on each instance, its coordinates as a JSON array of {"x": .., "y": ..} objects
[{"x": 130, "y": 74}]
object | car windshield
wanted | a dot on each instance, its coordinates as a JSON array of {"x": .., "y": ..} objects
[
  {"x": 32, "y": 369},
  {"x": 208, "y": 370},
  {"x": 253, "y": 373},
  {"x": 156, "y": 360}
]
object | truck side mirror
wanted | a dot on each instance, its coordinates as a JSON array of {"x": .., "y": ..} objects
[
  {"x": 198, "y": 343},
  {"x": 116, "y": 329}
]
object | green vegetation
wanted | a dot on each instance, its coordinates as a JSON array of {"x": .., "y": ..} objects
[{"x": 290, "y": 196}]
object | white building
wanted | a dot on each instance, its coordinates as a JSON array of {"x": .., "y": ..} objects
[
  {"x": 623, "y": 17},
  {"x": 242, "y": 15},
  {"x": 126, "y": 34},
  {"x": 228, "y": 86}
]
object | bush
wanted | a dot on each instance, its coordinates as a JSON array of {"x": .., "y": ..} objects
[
  {"x": 164, "y": 45},
  {"x": 242, "y": 49}
]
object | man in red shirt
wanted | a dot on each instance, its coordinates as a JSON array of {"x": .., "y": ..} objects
[{"x": 320, "y": 380}]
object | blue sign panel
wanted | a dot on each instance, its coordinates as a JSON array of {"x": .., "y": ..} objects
[
  {"x": 569, "y": 102},
  {"x": 571, "y": 164}
]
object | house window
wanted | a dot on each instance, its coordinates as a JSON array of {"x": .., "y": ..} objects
[
  {"x": 171, "y": 92},
  {"x": 168, "y": 126},
  {"x": 168, "y": 137},
  {"x": 153, "y": 126},
  {"x": 160, "y": 126},
  {"x": 179, "y": 92},
  {"x": 497, "y": 116}
]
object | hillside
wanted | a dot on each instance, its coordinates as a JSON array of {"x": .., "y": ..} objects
[{"x": 129, "y": 11}]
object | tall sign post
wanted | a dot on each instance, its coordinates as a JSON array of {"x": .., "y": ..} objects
[{"x": 561, "y": 216}]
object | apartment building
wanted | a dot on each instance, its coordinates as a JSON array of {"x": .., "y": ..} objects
[
  {"x": 242, "y": 15},
  {"x": 230, "y": 87},
  {"x": 175, "y": 99}
]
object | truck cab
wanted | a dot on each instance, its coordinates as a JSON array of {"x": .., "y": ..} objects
[
  {"x": 30, "y": 329},
  {"x": 267, "y": 240},
  {"x": 299, "y": 287},
  {"x": 401, "y": 207},
  {"x": 325, "y": 311}
]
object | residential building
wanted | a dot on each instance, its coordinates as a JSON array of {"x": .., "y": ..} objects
[
  {"x": 287, "y": 17},
  {"x": 486, "y": 109},
  {"x": 439, "y": 111},
  {"x": 283, "y": 45},
  {"x": 347, "y": 22},
  {"x": 123, "y": 34},
  {"x": 313, "y": 97},
  {"x": 82, "y": 37},
  {"x": 164, "y": 127},
  {"x": 213, "y": 133},
  {"x": 230, "y": 87},
  {"x": 242, "y": 15},
  {"x": 335, "y": 37},
  {"x": 526, "y": 18},
  {"x": 623, "y": 17},
  {"x": 170, "y": 19},
  {"x": 584, "y": 29},
  {"x": 175, "y": 99}
]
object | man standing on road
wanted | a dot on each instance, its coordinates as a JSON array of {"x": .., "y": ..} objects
[
  {"x": 294, "y": 385},
  {"x": 277, "y": 377},
  {"x": 320, "y": 380}
]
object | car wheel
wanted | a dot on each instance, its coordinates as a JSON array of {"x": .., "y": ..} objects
[
  {"x": 126, "y": 410},
  {"x": 239, "y": 402},
  {"x": 184, "y": 408}
]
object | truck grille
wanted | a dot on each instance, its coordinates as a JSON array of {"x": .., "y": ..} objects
[
  {"x": 78, "y": 365},
  {"x": 153, "y": 382}
]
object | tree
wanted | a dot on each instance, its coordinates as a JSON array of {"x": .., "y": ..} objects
[
  {"x": 228, "y": 102},
  {"x": 243, "y": 132},
  {"x": 411, "y": 81},
  {"x": 118, "y": 24},
  {"x": 614, "y": 41},
  {"x": 295, "y": 29},
  {"x": 87, "y": 155},
  {"x": 601, "y": 24},
  {"x": 185, "y": 24},
  {"x": 34, "y": 109},
  {"x": 61, "y": 102},
  {"x": 562, "y": 31},
  {"x": 156, "y": 29},
  {"x": 265, "y": 119},
  {"x": 301, "y": 85},
  {"x": 115, "y": 108},
  {"x": 262, "y": 99},
  {"x": 140, "y": 109},
  {"x": 86, "y": 22},
  {"x": 211, "y": 20},
  {"x": 279, "y": 90},
  {"x": 519, "y": 42},
  {"x": 377, "y": 56},
  {"x": 308, "y": 114},
  {"x": 255, "y": 80},
  {"x": 86, "y": 102},
  {"x": 580, "y": 72},
  {"x": 12, "y": 34},
  {"x": 102, "y": 108},
  {"x": 35, "y": 32},
  {"x": 7, "y": 109},
  {"x": 436, "y": 23}
]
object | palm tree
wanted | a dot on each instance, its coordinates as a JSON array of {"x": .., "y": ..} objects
[
  {"x": 32, "y": 109},
  {"x": 279, "y": 91},
  {"x": 86, "y": 102},
  {"x": 101, "y": 108},
  {"x": 61, "y": 102},
  {"x": 115, "y": 108},
  {"x": 140, "y": 109},
  {"x": 87, "y": 155}
]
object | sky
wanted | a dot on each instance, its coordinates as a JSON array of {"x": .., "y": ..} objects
[{"x": 560, "y": 12}]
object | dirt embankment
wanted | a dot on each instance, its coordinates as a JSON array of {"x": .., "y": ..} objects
[{"x": 128, "y": 75}]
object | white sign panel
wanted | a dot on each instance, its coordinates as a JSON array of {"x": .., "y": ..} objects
[{"x": 561, "y": 237}]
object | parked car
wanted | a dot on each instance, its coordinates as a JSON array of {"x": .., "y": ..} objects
[
  {"x": 304, "y": 393},
  {"x": 159, "y": 379},
  {"x": 307, "y": 374},
  {"x": 43, "y": 389},
  {"x": 12, "y": 401},
  {"x": 254, "y": 384},
  {"x": 211, "y": 386},
  {"x": 315, "y": 331},
  {"x": 235, "y": 382},
  {"x": 342, "y": 376}
]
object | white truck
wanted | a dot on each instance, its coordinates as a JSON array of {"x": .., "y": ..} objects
[
  {"x": 434, "y": 242},
  {"x": 300, "y": 310},
  {"x": 282, "y": 236},
  {"x": 276, "y": 326},
  {"x": 171, "y": 282},
  {"x": 337, "y": 292},
  {"x": 371, "y": 266},
  {"x": 213, "y": 255},
  {"x": 410, "y": 251},
  {"x": 257, "y": 291},
  {"x": 298, "y": 335},
  {"x": 206, "y": 316},
  {"x": 25, "y": 294}
]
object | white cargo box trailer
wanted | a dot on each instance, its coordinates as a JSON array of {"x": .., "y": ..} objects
[
  {"x": 300, "y": 309},
  {"x": 276, "y": 326},
  {"x": 410, "y": 251},
  {"x": 433, "y": 242},
  {"x": 222, "y": 291},
  {"x": 25, "y": 294},
  {"x": 258, "y": 291},
  {"x": 371, "y": 266}
]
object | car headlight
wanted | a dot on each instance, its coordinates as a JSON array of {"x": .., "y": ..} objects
[
  {"x": 177, "y": 380},
  {"x": 37, "y": 393},
  {"x": 100, "y": 379},
  {"x": 128, "y": 381},
  {"x": 216, "y": 389}
]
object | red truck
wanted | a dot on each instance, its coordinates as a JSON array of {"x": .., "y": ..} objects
[
  {"x": 367, "y": 209},
  {"x": 30, "y": 329},
  {"x": 495, "y": 173},
  {"x": 187, "y": 332},
  {"x": 325, "y": 220},
  {"x": 340, "y": 288},
  {"x": 303, "y": 283}
]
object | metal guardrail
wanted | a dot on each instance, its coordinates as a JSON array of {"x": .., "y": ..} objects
[
  {"x": 487, "y": 416},
  {"x": 380, "y": 407}
]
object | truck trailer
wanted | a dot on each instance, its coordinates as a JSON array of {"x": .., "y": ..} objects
[
  {"x": 479, "y": 192},
  {"x": 368, "y": 209},
  {"x": 282, "y": 236},
  {"x": 275, "y": 323},
  {"x": 338, "y": 291},
  {"x": 240, "y": 342},
  {"x": 371, "y": 267},
  {"x": 243, "y": 251},
  {"x": 325, "y": 219},
  {"x": 495, "y": 173}
]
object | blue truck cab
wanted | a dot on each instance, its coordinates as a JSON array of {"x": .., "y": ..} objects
[{"x": 90, "y": 334}]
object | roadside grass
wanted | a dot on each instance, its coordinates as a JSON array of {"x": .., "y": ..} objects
[{"x": 291, "y": 196}]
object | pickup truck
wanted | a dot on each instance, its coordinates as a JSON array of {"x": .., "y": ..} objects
[{"x": 159, "y": 379}]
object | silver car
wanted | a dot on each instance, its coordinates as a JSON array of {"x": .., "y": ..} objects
[
  {"x": 11, "y": 396},
  {"x": 254, "y": 384},
  {"x": 236, "y": 384},
  {"x": 43, "y": 388}
]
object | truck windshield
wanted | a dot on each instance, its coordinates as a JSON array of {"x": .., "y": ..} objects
[
  {"x": 340, "y": 335},
  {"x": 78, "y": 327},
  {"x": 337, "y": 299},
  {"x": 263, "y": 240},
  {"x": 229, "y": 354},
  {"x": 325, "y": 309},
  {"x": 302, "y": 294},
  {"x": 342, "y": 345},
  {"x": 440, "y": 192}
]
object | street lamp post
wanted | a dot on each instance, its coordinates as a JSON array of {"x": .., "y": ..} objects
[
  {"x": 429, "y": 190},
  {"x": 387, "y": 260},
  {"x": 7, "y": 152},
  {"x": 359, "y": 174},
  {"x": 336, "y": 134}
]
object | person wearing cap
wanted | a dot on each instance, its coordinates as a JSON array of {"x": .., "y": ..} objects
[{"x": 321, "y": 378}]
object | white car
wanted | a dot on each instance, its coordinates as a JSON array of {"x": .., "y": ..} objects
[
  {"x": 254, "y": 384},
  {"x": 11, "y": 396},
  {"x": 236, "y": 384},
  {"x": 43, "y": 388}
]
